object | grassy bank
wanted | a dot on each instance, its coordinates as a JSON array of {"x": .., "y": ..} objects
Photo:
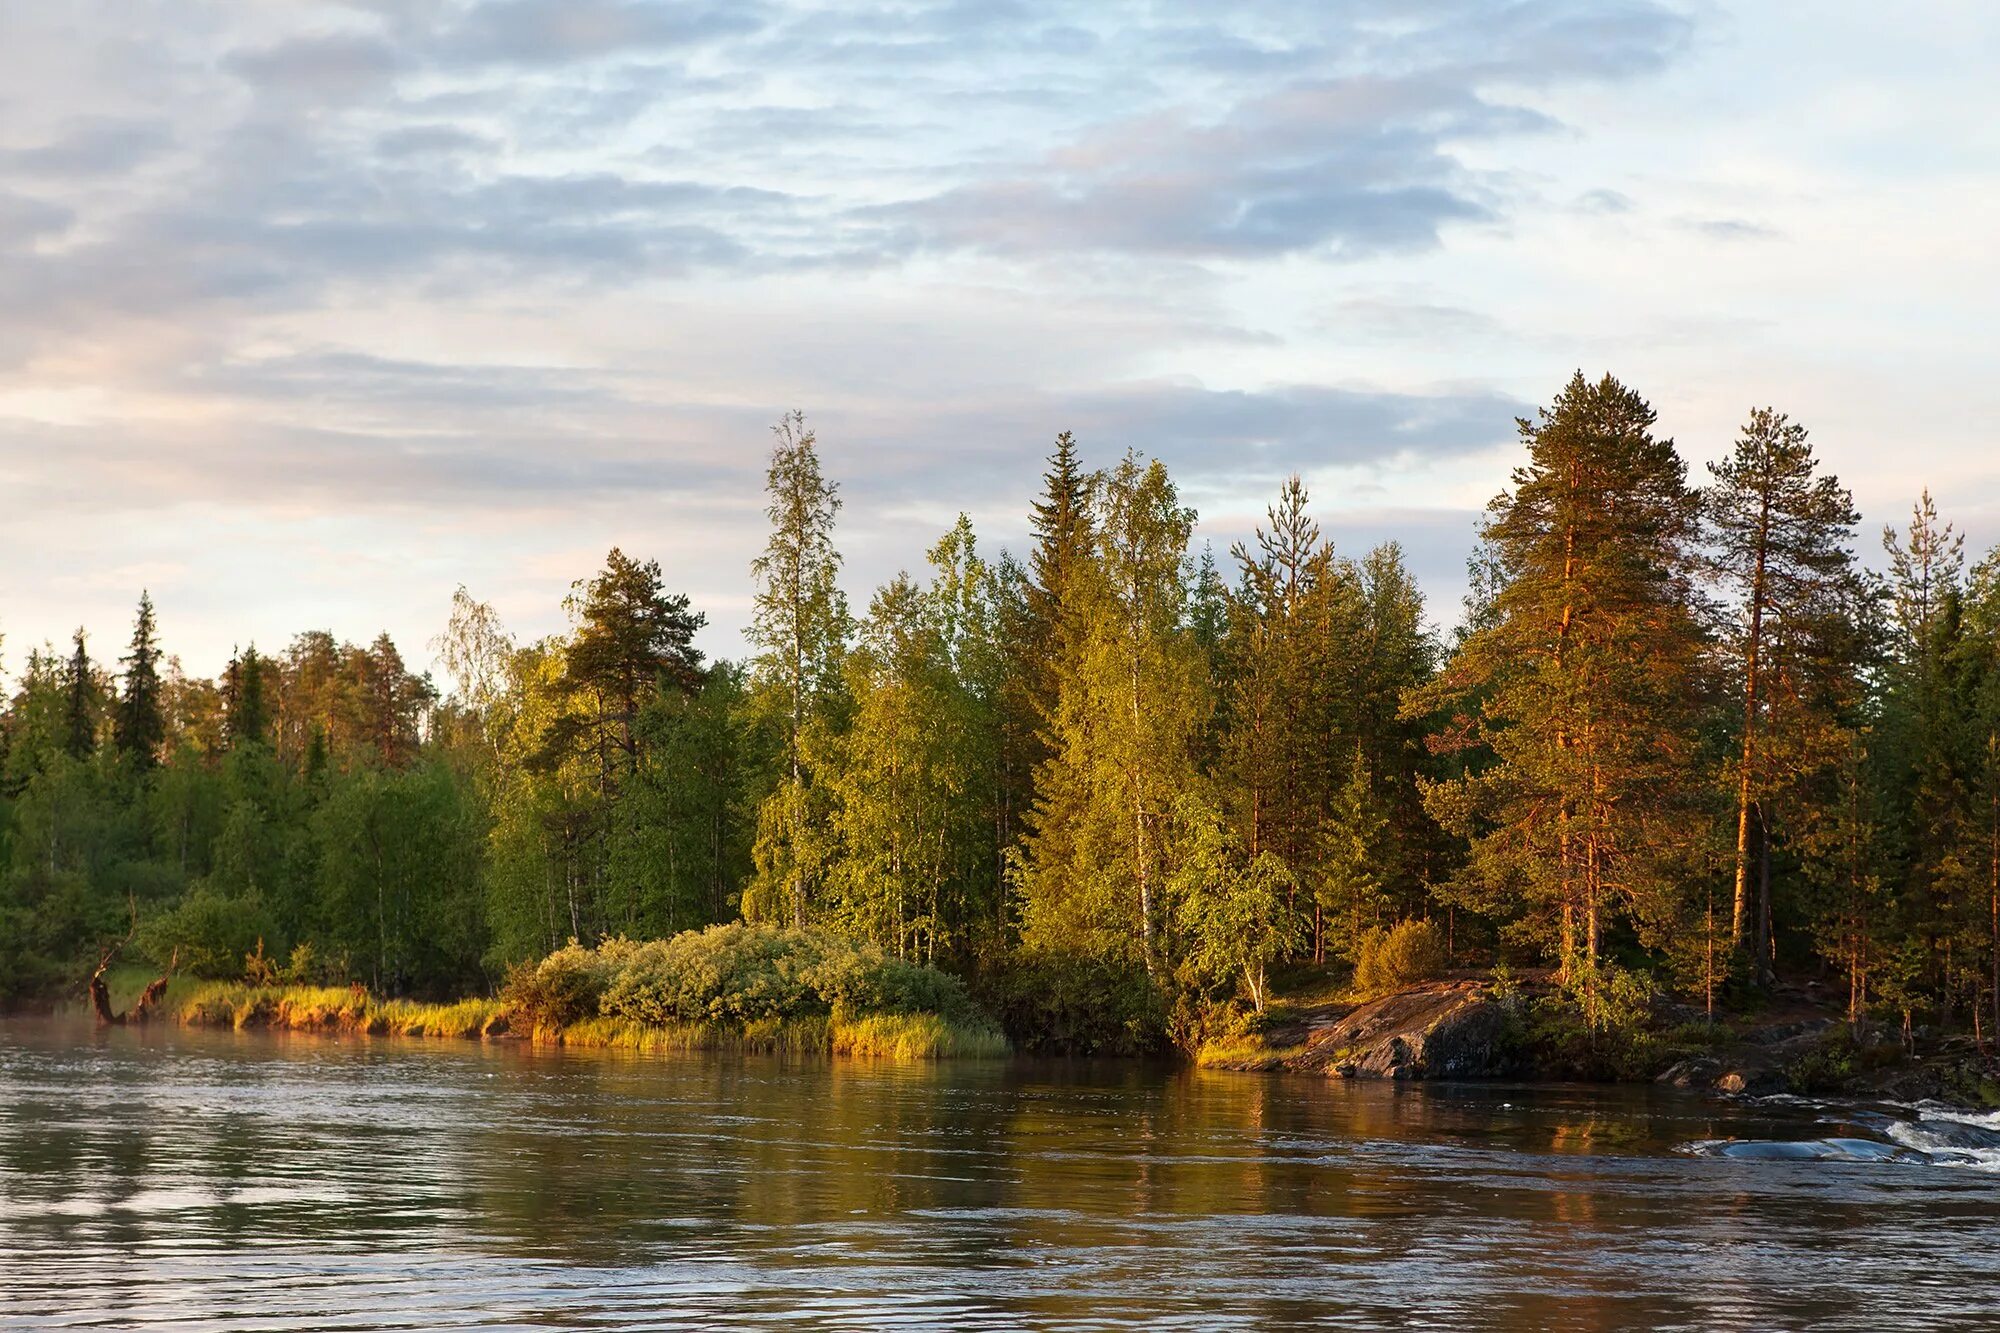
[
  {"x": 732, "y": 987},
  {"x": 351, "y": 1009},
  {"x": 336, "y": 1009}
]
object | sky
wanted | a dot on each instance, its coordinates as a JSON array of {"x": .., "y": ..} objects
[{"x": 312, "y": 312}]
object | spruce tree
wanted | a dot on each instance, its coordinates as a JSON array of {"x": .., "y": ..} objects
[
  {"x": 80, "y": 703},
  {"x": 141, "y": 727},
  {"x": 247, "y": 717}
]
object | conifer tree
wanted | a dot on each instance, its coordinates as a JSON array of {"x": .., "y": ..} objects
[
  {"x": 1581, "y": 687},
  {"x": 1350, "y": 893},
  {"x": 141, "y": 728},
  {"x": 246, "y": 718},
  {"x": 1782, "y": 537},
  {"x": 631, "y": 638},
  {"x": 1044, "y": 642},
  {"x": 80, "y": 706},
  {"x": 1928, "y": 751},
  {"x": 1062, "y": 526}
]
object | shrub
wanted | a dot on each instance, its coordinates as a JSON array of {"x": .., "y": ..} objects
[
  {"x": 563, "y": 988},
  {"x": 731, "y": 973},
  {"x": 1405, "y": 954},
  {"x": 211, "y": 933},
  {"x": 734, "y": 977}
]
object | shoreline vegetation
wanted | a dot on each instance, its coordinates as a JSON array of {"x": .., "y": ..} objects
[
  {"x": 1682, "y": 760},
  {"x": 730, "y": 987}
]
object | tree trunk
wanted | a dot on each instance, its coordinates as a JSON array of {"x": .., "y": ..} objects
[
  {"x": 1765, "y": 942},
  {"x": 1752, "y": 684}
]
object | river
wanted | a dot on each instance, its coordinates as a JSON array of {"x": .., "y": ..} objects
[{"x": 171, "y": 1178}]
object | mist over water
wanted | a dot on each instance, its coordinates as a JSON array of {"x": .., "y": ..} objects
[{"x": 174, "y": 1178}]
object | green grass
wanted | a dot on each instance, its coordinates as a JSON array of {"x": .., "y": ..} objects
[{"x": 351, "y": 1009}]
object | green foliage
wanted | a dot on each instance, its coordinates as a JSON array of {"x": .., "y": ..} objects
[
  {"x": 1235, "y": 911},
  {"x": 1605, "y": 1026},
  {"x": 141, "y": 725},
  {"x": 735, "y": 976},
  {"x": 1131, "y": 705},
  {"x": 1118, "y": 791},
  {"x": 1052, "y": 1002},
  {"x": 1575, "y": 704},
  {"x": 1403, "y": 955},
  {"x": 567, "y": 986}
]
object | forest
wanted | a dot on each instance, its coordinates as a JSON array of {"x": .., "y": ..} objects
[{"x": 1681, "y": 740}]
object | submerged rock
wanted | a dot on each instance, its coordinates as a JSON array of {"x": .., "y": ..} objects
[{"x": 1449, "y": 1029}]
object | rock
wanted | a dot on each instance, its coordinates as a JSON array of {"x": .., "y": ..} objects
[
  {"x": 1700, "y": 1072},
  {"x": 1448, "y": 1029},
  {"x": 1753, "y": 1081}
]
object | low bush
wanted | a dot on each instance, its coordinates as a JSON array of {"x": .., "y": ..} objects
[
  {"x": 565, "y": 987},
  {"x": 1407, "y": 953},
  {"x": 756, "y": 987}
]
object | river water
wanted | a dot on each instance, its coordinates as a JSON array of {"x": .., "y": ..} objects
[{"x": 181, "y": 1179}]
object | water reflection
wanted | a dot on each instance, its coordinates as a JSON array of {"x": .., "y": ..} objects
[{"x": 170, "y": 1178}]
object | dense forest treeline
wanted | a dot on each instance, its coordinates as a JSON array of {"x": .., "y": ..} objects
[{"x": 1681, "y": 741}]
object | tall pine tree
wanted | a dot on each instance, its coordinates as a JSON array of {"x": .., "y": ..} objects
[
  {"x": 1582, "y": 684},
  {"x": 1782, "y": 537}
]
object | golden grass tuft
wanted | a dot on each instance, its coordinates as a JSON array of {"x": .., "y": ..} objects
[
  {"x": 1239, "y": 1051},
  {"x": 333, "y": 1009},
  {"x": 915, "y": 1037}
]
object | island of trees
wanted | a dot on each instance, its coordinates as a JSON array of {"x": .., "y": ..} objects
[{"x": 1681, "y": 745}]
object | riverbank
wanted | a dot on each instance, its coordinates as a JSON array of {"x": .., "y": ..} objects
[
  {"x": 352, "y": 1010},
  {"x": 1473, "y": 1027}
]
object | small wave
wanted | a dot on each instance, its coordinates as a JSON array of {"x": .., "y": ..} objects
[
  {"x": 1939, "y": 1135},
  {"x": 1803, "y": 1150},
  {"x": 1959, "y": 1115}
]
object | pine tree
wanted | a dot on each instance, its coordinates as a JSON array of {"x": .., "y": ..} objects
[
  {"x": 1782, "y": 537},
  {"x": 1582, "y": 685},
  {"x": 631, "y": 637},
  {"x": 141, "y": 728}
]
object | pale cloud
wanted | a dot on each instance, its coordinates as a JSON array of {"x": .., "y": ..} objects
[{"x": 310, "y": 312}]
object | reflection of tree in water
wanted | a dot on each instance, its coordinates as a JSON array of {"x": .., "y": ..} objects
[{"x": 562, "y": 1181}]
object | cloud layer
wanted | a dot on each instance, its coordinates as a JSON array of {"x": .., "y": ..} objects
[{"x": 474, "y": 288}]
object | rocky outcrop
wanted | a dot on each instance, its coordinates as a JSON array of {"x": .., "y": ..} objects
[
  {"x": 1756, "y": 1063},
  {"x": 1447, "y": 1029}
]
